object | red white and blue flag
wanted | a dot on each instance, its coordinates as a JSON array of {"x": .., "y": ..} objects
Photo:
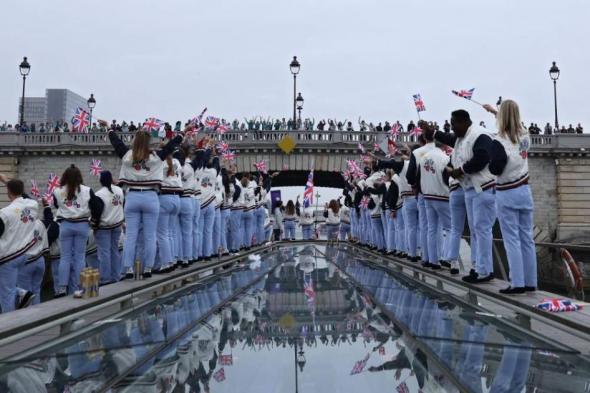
[
  {"x": 211, "y": 122},
  {"x": 360, "y": 365},
  {"x": 52, "y": 183},
  {"x": 365, "y": 202},
  {"x": 152, "y": 124},
  {"x": 310, "y": 295},
  {"x": 35, "y": 190},
  {"x": 222, "y": 128},
  {"x": 261, "y": 166},
  {"x": 197, "y": 120},
  {"x": 558, "y": 305},
  {"x": 80, "y": 121},
  {"x": 395, "y": 130},
  {"x": 226, "y": 360},
  {"x": 96, "y": 167},
  {"x": 219, "y": 375},
  {"x": 222, "y": 146},
  {"x": 402, "y": 388},
  {"x": 419, "y": 103},
  {"x": 308, "y": 192},
  {"x": 467, "y": 94},
  {"x": 416, "y": 131},
  {"x": 228, "y": 155}
]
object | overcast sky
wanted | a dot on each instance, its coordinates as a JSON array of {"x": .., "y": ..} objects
[{"x": 364, "y": 58}]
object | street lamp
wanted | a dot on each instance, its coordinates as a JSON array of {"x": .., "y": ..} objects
[
  {"x": 24, "y": 68},
  {"x": 91, "y": 105},
  {"x": 554, "y": 75},
  {"x": 294, "y": 66},
  {"x": 299, "y": 101}
]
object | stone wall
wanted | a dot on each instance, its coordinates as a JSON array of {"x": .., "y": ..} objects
[
  {"x": 543, "y": 182},
  {"x": 573, "y": 180}
]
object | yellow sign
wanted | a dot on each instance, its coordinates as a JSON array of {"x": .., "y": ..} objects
[
  {"x": 287, "y": 321},
  {"x": 287, "y": 144}
]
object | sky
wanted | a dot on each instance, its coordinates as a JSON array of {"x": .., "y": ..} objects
[{"x": 365, "y": 58}]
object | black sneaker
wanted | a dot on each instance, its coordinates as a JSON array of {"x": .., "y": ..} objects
[
  {"x": 147, "y": 273},
  {"x": 26, "y": 300},
  {"x": 185, "y": 265},
  {"x": 530, "y": 289},
  {"x": 427, "y": 265},
  {"x": 454, "y": 271},
  {"x": 478, "y": 279},
  {"x": 414, "y": 259},
  {"x": 512, "y": 291},
  {"x": 471, "y": 278},
  {"x": 446, "y": 264},
  {"x": 435, "y": 267},
  {"x": 59, "y": 294}
]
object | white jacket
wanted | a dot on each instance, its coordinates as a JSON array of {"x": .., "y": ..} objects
[
  {"x": 145, "y": 174},
  {"x": 19, "y": 227},
  {"x": 112, "y": 213},
  {"x": 516, "y": 171},
  {"x": 75, "y": 210}
]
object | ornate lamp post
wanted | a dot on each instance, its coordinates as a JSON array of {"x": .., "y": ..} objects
[
  {"x": 299, "y": 102},
  {"x": 24, "y": 69},
  {"x": 294, "y": 67},
  {"x": 91, "y": 105},
  {"x": 554, "y": 75}
]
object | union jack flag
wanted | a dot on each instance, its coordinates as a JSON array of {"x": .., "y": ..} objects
[
  {"x": 382, "y": 351},
  {"x": 261, "y": 166},
  {"x": 402, "y": 388},
  {"x": 416, "y": 131},
  {"x": 376, "y": 147},
  {"x": 310, "y": 294},
  {"x": 211, "y": 122},
  {"x": 48, "y": 197},
  {"x": 226, "y": 360},
  {"x": 308, "y": 192},
  {"x": 365, "y": 202},
  {"x": 52, "y": 183},
  {"x": 395, "y": 130},
  {"x": 152, "y": 124},
  {"x": 222, "y": 146},
  {"x": 96, "y": 167},
  {"x": 558, "y": 305},
  {"x": 219, "y": 375},
  {"x": 191, "y": 132},
  {"x": 419, "y": 103},
  {"x": 81, "y": 120},
  {"x": 35, "y": 190},
  {"x": 360, "y": 365},
  {"x": 222, "y": 128},
  {"x": 228, "y": 155},
  {"x": 448, "y": 150},
  {"x": 467, "y": 94}
]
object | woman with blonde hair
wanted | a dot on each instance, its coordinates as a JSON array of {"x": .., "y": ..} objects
[
  {"x": 514, "y": 200},
  {"x": 331, "y": 213},
  {"x": 142, "y": 172}
]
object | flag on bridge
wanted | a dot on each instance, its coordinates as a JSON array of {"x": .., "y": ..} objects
[
  {"x": 308, "y": 192},
  {"x": 228, "y": 155},
  {"x": 420, "y": 107},
  {"x": 96, "y": 167},
  {"x": 467, "y": 94},
  {"x": 557, "y": 305},
  {"x": 34, "y": 189},
  {"x": 360, "y": 365},
  {"x": 80, "y": 121},
  {"x": 222, "y": 128}
]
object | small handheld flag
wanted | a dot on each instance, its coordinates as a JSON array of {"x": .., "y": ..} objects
[
  {"x": 52, "y": 183},
  {"x": 308, "y": 192},
  {"x": 395, "y": 129},
  {"x": 261, "y": 166},
  {"x": 420, "y": 107},
  {"x": 219, "y": 375},
  {"x": 222, "y": 128},
  {"x": 226, "y": 360},
  {"x": 416, "y": 131},
  {"x": 34, "y": 189},
  {"x": 96, "y": 167},
  {"x": 360, "y": 365},
  {"x": 228, "y": 155},
  {"x": 152, "y": 124},
  {"x": 211, "y": 122},
  {"x": 467, "y": 94},
  {"x": 81, "y": 120}
]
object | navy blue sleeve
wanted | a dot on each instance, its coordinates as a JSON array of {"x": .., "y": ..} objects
[
  {"x": 216, "y": 165},
  {"x": 179, "y": 156},
  {"x": 52, "y": 232},
  {"x": 498, "y": 159},
  {"x": 169, "y": 148},
  {"x": 96, "y": 206},
  {"x": 120, "y": 148},
  {"x": 199, "y": 160},
  {"x": 1, "y": 227},
  {"x": 47, "y": 216},
  {"x": 448, "y": 139},
  {"x": 481, "y": 155},
  {"x": 412, "y": 171}
]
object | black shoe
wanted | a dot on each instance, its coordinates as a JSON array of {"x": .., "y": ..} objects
[
  {"x": 58, "y": 295},
  {"x": 512, "y": 291},
  {"x": 454, "y": 271},
  {"x": 435, "y": 267},
  {"x": 446, "y": 264},
  {"x": 147, "y": 274},
  {"x": 414, "y": 259},
  {"x": 530, "y": 289},
  {"x": 185, "y": 265},
  {"x": 476, "y": 279},
  {"x": 26, "y": 300},
  {"x": 427, "y": 265},
  {"x": 207, "y": 259},
  {"x": 128, "y": 276},
  {"x": 159, "y": 271}
]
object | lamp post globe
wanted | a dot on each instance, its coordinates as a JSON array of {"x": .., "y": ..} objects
[
  {"x": 554, "y": 75},
  {"x": 554, "y": 72},
  {"x": 294, "y": 66},
  {"x": 91, "y": 104},
  {"x": 24, "y": 67}
]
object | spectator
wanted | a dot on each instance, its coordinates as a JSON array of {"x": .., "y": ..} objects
[
  {"x": 411, "y": 126},
  {"x": 447, "y": 127},
  {"x": 132, "y": 127},
  {"x": 379, "y": 128},
  {"x": 548, "y": 129},
  {"x": 387, "y": 127},
  {"x": 579, "y": 129},
  {"x": 563, "y": 130},
  {"x": 570, "y": 130}
]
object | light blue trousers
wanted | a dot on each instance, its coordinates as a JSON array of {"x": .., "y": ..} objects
[
  {"x": 197, "y": 248},
  {"x": 438, "y": 216},
  {"x": 185, "y": 222},
  {"x": 332, "y": 231},
  {"x": 216, "y": 230},
  {"x": 306, "y": 231},
  {"x": 354, "y": 223},
  {"x": 259, "y": 215},
  {"x": 411, "y": 220},
  {"x": 225, "y": 213},
  {"x": 109, "y": 256},
  {"x": 30, "y": 277},
  {"x": 400, "y": 231},
  {"x": 378, "y": 234},
  {"x": 423, "y": 220},
  {"x": 141, "y": 212},
  {"x": 72, "y": 244},
  {"x": 206, "y": 221},
  {"x": 391, "y": 232},
  {"x": 236, "y": 228},
  {"x": 515, "y": 213},
  {"x": 289, "y": 229},
  {"x": 458, "y": 213},
  {"x": 481, "y": 207},
  {"x": 247, "y": 227},
  {"x": 169, "y": 208}
]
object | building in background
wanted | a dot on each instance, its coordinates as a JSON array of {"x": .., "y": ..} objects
[
  {"x": 62, "y": 105},
  {"x": 35, "y": 110}
]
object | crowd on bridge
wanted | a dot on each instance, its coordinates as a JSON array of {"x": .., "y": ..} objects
[
  {"x": 260, "y": 124},
  {"x": 185, "y": 203}
]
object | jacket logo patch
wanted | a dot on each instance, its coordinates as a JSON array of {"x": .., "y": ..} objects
[
  {"x": 116, "y": 201},
  {"x": 26, "y": 216},
  {"x": 524, "y": 147},
  {"x": 72, "y": 202},
  {"x": 140, "y": 165},
  {"x": 429, "y": 165}
]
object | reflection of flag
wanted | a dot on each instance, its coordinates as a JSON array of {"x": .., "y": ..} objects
[
  {"x": 381, "y": 350},
  {"x": 419, "y": 103},
  {"x": 308, "y": 192},
  {"x": 34, "y": 189},
  {"x": 226, "y": 360},
  {"x": 402, "y": 388},
  {"x": 310, "y": 295},
  {"x": 360, "y": 365},
  {"x": 81, "y": 120},
  {"x": 557, "y": 305},
  {"x": 467, "y": 94},
  {"x": 219, "y": 375},
  {"x": 96, "y": 167}
]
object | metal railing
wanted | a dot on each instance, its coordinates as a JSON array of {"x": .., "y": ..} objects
[{"x": 262, "y": 139}]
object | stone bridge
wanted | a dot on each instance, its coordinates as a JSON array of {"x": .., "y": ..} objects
[{"x": 559, "y": 165}]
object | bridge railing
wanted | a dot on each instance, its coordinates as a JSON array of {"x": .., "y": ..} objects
[{"x": 253, "y": 139}]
